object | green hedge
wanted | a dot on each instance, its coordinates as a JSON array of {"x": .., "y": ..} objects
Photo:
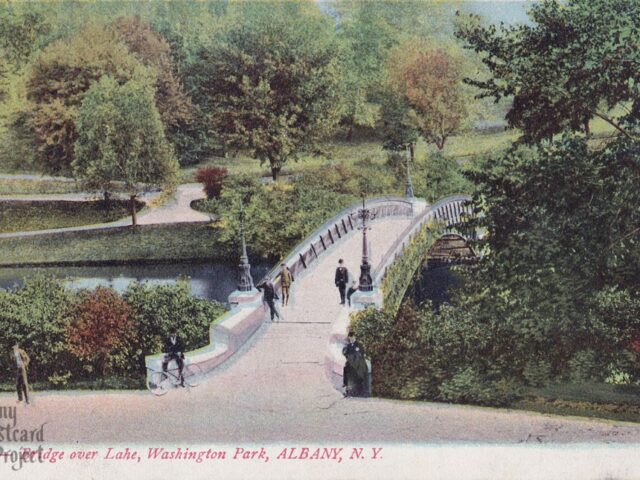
[
  {"x": 37, "y": 316},
  {"x": 400, "y": 274}
]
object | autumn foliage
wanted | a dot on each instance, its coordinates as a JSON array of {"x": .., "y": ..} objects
[
  {"x": 429, "y": 79},
  {"x": 212, "y": 178},
  {"x": 100, "y": 327}
]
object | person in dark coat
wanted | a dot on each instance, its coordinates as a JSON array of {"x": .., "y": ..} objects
[
  {"x": 174, "y": 350},
  {"x": 356, "y": 373},
  {"x": 341, "y": 280},
  {"x": 269, "y": 296}
]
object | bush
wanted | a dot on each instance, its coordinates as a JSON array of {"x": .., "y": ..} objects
[
  {"x": 73, "y": 338},
  {"x": 35, "y": 316},
  {"x": 157, "y": 308},
  {"x": 466, "y": 386},
  {"x": 213, "y": 179},
  {"x": 537, "y": 372},
  {"x": 100, "y": 329},
  {"x": 584, "y": 366}
]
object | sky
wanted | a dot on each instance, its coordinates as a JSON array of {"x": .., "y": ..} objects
[{"x": 509, "y": 12}]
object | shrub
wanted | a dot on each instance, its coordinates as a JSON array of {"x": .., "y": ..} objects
[
  {"x": 100, "y": 329},
  {"x": 466, "y": 386},
  {"x": 584, "y": 366},
  {"x": 213, "y": 179},
  {"x": 537, "y": 372},
  {"x": 35, "y": 316},
  {"x": 157, "y": 308},
  {"x": 75, "y": 337}
]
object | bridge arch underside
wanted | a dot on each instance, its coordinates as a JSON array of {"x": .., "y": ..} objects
[{"x": 449, "y": 249}]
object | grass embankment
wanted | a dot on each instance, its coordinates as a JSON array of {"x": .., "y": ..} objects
[
  {"x": 144, "y": 244},
  {"x": 41, "y": 215},
  {"x": 593, "y": 400},
  {"x": 107, "y": 383}
]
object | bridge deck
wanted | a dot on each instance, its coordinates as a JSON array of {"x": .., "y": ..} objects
[{"x": 275, "y": 389}]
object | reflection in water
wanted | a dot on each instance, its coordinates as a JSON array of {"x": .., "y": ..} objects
[{"x": 210, "y": 281}]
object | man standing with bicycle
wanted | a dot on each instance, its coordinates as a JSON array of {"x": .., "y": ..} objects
[{"x": 174, "y": 350}]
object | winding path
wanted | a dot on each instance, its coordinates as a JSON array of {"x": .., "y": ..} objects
[
  {"x": 275, "y": 389},
  {"x": 176, "y": 210}
]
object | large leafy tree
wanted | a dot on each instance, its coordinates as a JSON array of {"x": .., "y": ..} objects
[
  {"x": 121, "y": 137},
  {"x": 271, "y": 84},
  {"x": 56, "y": 85},
  {"x": 20, "y": 29},
  {"x": 429, "y": 80},
  {"x": 174, "y": 105},
  {"x": 368, "y": 31},
  {"x": 576, "y": 61},
  {"x": 64, "y": 71}
]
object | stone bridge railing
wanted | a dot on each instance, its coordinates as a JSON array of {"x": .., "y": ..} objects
[
  {"x": 247, "y": 311},
  {"x": 307, "y": 252},
  {"x": 443, "y": 215},
  {"x": 396, "y": 269}
]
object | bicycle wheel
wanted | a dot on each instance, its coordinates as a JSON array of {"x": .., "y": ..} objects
[
  {"x": 159, "y": 383},
  {"x": 192, "y": 374}
]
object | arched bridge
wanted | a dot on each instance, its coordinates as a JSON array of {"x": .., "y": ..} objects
[
  {"x": 313, "y": 262},
  {"x": 275, "y": 388}
]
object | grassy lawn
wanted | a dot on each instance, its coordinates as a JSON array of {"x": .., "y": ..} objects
[
  {"x": 18, "y": 186},
  {"x": 25, "y": 216},
  {"x": 144, "y": 243},
  {"x": 361, "y": 150},
  {"x": 596, "y": 400}
]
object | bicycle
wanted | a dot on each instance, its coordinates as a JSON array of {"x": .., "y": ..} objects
[{"x": 160, "y": 382}]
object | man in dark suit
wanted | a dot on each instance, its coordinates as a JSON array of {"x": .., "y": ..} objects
[
  {"x": 355, "y": 373},
  {"x": 174, "y": 350},
  {"x": 269, "y": 296},
  {"x": 341, "y": 280}
]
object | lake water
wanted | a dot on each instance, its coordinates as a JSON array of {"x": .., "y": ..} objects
[{"x": 208, "y": 280}]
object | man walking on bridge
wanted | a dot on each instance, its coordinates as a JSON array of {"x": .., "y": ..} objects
[
  {"x": 286, "y": 279},
  {"x": 341, "y": 280},
  {"x": 269, "y": 297}
]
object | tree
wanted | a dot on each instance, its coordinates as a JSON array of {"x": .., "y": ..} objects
[
  {"x": 271, "y": 85},
  {"x": 56, "y": 85},
  {"x": 100, "y": 327},
  {"x": 120, "y": 137},
  {"x": 20, "y": 29},
  {"x": 398, "y": 130},
  {"x": 174, "y": 105},
  {"x": 575, "y": 62},
  {"x": 429, "y": 79},
  {"x": 368, "y": 32}
]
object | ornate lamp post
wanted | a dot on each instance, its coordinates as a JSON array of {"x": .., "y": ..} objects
[
  {"x": 364, "y": 214},
  {"x": 245, "y": 282},
  {"x": 409, "y": 188}
]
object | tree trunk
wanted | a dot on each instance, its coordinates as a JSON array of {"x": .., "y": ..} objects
[
  {"x": 134, "y": 219},
  {"x": 274, "y": 172},
  {"x": 412, "y": 151},
  {"x": 350, "y": 134}
]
